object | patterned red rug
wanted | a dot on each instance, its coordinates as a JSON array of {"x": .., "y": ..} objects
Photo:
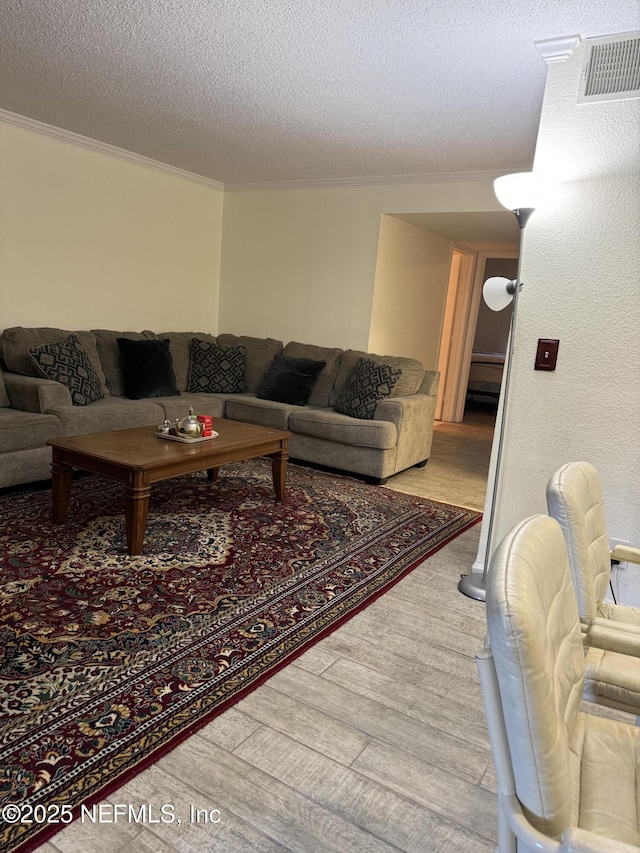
[{"x": 107, "y": 660}]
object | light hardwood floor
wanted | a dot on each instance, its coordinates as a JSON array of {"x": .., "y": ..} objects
[{"x": 373, "y": 740}]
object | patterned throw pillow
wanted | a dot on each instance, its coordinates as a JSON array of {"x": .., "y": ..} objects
[
  {"x": 216, "y": 369},
  {"x": 65, "y": 361},
  {"x": 368, "y": 383}
]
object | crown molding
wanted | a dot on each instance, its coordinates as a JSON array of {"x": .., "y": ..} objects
[
  {"x": 86, "y": 142},
  {"x": 374, "y": 180},
  {"x": 557, "y": 49}
]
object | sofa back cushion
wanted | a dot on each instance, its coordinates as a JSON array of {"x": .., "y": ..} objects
[
  {"x": 409, "y": 382},
  {"x": 259, "y": 353},
  {"x": 109, "y": 353},
  {"x": 327, "y": 378},
  {"x": 180, "y": 346},
  {"x": 18, "y": 340}
]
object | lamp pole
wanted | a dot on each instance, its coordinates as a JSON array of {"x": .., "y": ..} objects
[{"x": 474, "y": 585}]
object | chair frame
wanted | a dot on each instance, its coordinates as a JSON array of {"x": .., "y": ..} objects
[{"x": 513, "y": 825}]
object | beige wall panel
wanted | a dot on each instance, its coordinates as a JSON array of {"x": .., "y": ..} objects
[
  {"x": 92, "y": 240},
  {"x": 300, "y": 264},
  {"x": 410, "y": 291}
]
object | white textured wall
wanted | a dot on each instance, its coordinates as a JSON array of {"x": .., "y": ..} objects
[
  {"x": 410, "y": 291},
  {"x": 581, "y": 269},
  {"x": 90, "y": 240},
  {"x": 300, "y": 264}
]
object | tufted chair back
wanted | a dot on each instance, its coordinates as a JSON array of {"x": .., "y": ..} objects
[
  {"x": 574, "y": 499},
  {"x": 535, "y": 637}
]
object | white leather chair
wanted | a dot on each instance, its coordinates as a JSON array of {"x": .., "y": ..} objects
[
  {"x": 574, "y": 499},
  {"x": 567, "y": 779}
]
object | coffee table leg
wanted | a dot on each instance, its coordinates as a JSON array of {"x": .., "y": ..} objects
[
  {"x": 136, "y": 502},
  {"x": 279, "y": 470},
  {"x": 60, "y": 487},
  {"x": 212, "y": 474}
]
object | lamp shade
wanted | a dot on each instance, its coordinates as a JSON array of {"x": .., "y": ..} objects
[
  {"x": 518, "y": 191},
  {"x": 498, "y": 292}
]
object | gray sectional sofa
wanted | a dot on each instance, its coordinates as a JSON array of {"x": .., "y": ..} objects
[{"x": 34, "y": 409}]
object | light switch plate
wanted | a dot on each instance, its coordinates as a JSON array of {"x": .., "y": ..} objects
[{"x": 547, "y": 354}]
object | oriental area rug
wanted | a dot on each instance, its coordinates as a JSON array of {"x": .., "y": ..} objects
[{"x": 107, "y": 660}]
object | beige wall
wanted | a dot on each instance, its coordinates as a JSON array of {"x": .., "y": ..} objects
[
  {"x": 300, "y": 264},
  {"x": 91, "y": 240},
  {"x": 409, "y": 295},
  {"x": 581, "y": 269}
]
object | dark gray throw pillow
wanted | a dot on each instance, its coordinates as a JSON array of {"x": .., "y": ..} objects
[
  {"x": 216, "y": 369},
  {"x": 368, "y": 383},
  {"x": 65, "y": 361},
  {"x": 290, "y": 380},
  {"x": 147, "y": 368}
]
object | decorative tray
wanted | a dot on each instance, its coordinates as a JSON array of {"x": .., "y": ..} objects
[{"x": 185, "y": 439}]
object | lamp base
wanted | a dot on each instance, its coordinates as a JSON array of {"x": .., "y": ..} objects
[{"x": 473, "y": 586}]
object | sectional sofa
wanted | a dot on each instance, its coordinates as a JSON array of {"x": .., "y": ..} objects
[{"x": 395, "y": 434}]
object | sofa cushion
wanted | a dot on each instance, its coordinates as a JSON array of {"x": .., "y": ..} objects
[
  {"x": 66, "y": 362},
  {"x": 216, "y": 369},
  {"x": 260, "y": 353},
  {"x": 25, "y": 430},
  {"x": 368, "y": 383},
  {"x": 5, "y": 402},
  {"x": 252, "y": 410},
  {"x": 110, "y": 357},
  {"x": 290, "y": 380},
  {"x": 409, "y": 382},
  {"x": 108, "y": 414},
  {"x": 332, "y": 426},
  {"x": 18, "y": 340},
  {"x": 325, "y": 382},
  {"x": 181, "y": 353},
  {"x": 175, "y": 408},
  {"x": 147, "y": 368}
]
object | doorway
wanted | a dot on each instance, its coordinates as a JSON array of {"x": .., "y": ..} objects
[
  {"x": 472, "y": 335},
  {"x": 489, "y": 346}
]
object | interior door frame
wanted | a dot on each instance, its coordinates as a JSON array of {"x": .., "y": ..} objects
[
  {"x": 451, "y": 343},
  {"x": 466, "y": 342}
]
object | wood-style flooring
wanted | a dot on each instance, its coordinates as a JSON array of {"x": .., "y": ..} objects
[{"x": 373, "y": 741}]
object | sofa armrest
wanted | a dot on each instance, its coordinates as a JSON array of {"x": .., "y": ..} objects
[
  {"x": 414, "y": 417},
  {"x": 430, "y": 383},
  {"x": 32, "y": 394},
  {"x": 413, "y": 410}
]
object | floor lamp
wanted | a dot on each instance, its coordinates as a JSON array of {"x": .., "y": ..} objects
[{"x": 518, "y": 194}]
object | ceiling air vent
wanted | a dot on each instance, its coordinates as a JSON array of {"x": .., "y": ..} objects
[{"x": 610, "y": 69}]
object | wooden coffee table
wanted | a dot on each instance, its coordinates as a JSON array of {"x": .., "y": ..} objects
[{"x": 138, "y": 458}]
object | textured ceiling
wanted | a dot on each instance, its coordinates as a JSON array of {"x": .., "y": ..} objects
[{"x": 246, "y": 91}]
